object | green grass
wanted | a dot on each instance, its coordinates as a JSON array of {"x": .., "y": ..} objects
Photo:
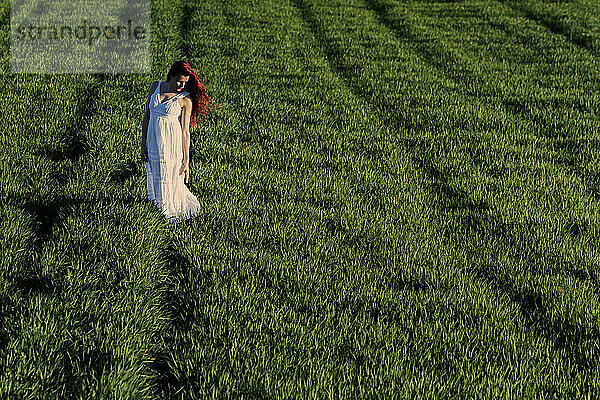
[{"x": 400, "y": 200}]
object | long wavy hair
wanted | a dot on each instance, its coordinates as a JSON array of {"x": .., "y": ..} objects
[{"x": 201, "y": 103}]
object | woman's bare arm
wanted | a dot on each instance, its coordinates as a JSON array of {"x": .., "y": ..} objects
[{"x": 186, "y": 112}]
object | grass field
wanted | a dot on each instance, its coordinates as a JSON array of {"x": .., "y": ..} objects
[{"x": 400, "y": 200}]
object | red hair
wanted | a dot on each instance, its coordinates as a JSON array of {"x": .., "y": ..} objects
[{"x": 201, "y": 103}]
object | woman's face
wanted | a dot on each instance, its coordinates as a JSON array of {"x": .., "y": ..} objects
[{"x": 178, "y": 82}]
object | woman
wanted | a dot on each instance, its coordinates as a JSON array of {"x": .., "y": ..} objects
[{"x": 170, "y": 110}]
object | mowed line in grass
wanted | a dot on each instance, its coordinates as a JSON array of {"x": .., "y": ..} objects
[
  {"x": 522, "y": 298},
  {"x": 585, "y": 272},
  {"x": 270, "y": 286},
  {"x": 492, "y": 104},
  {"x": 462, "y": 70},
  {"x": 52, "y": 157},
  {"x": 585, "y": 37},
  {"x": 26, "y": 221},
  {"x": 171, "y": 22}
]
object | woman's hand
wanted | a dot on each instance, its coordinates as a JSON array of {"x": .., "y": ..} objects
[
  {"x": 144, "y": 153},
  {"x": 185, "y": 169}
]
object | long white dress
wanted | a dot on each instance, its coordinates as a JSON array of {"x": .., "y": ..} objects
[{"x": 166, "y": 188}]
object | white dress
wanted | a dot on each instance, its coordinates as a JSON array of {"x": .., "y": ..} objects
[{"x": 165, "y": 187}]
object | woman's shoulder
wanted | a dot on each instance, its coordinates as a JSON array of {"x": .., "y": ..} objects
[{"x": 186, "y": 97}]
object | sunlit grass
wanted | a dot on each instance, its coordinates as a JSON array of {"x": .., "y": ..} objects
[{"x": 399, "y": 200}]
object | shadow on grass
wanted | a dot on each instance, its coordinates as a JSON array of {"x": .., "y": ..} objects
[
  {"x": 186, "y": 26},
  {"x": 7, "y": 310},
  {"x": 35, "y": 284},
  {"x": 74, "y": 356},
  {"x": 187, "y": 285},
  {"x": 75, "y": 146},
  {"x": 554, "y": 25},
  {"x": 400, "y": 283},
  {"x": 124, "y": 171},
  {"x": 564, "y": 335},
  {"x": 568, "y": 150},
  {"x": 45, "y": 213},
  {"x": 74, "y": 142}
]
